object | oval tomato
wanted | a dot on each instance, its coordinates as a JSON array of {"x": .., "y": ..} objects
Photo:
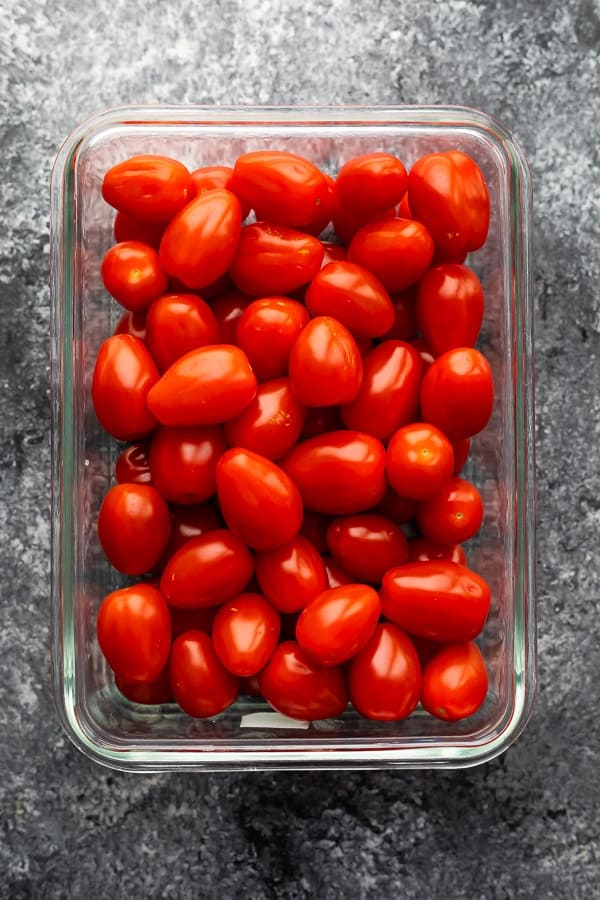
[
  {"x": 422, "y": 550},
  {"x": 227, "y": 309},
  {"x": 346, "y": 225},
  {"x": 325, "y": 364},
  {"x": 201, "y": 684},
  {"x": 336, "y": 576},
  {"x": 148, "y": 693},
  {"x": 147, "y": 187},
  {"x": 125, "y": 228},
  {"x": 384, "y": 680},
  {"x": 200, "y": 242},
  {"x": 420, "y": 460},
  {"x": 353, "y": 296},
  {"x": 133, "y": 323},
  {"x": 280, "y": 187},
  {"x": 133, "y": 275},
  {"x": 176, "y": 324},
  {"x": 266, "y": 332},
  {"x": 259, "y": 501},
  {"x": 132, "y": 466},
  {"x": 123, "y": 376},
  {"x": 368, "y": 185},
  {"x": 439, "y": 600},
  {"x": 323, "y": 213},
  {"x": 399, "y": 509},
  {"x": 212, "y": 178},
  {"x": 134, "y": 632},
  {"x": 389, "y": 393},
  {"x": 133, "y": 527},
  {"x": 271, "y": 424},
  {"x": 367, "y": 545},
  {"x": 188, "y": 522},
  {"x": 338, "y": 473},
  {"x": 205, "y": 387},
  {"x": 245, "y": 633},
  {"x": 337, "y": 624},
  {"x": 455, "y": 682},
  {"x": 183, "y": 462},
  {"x": 453, "y": 515},
  {"x": 273, "y": 259},
  {"x": 293, "y": 685},
  {"x": 450, "y": 307},
  {"x": 290, "y": 576},
  {"x": 457, "y": 393},
  {"x": 207, "y": 570},
  {"x": 397, "y": 251}
]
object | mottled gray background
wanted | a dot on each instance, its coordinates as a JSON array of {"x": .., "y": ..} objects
[{"x": 526, "y": 825}]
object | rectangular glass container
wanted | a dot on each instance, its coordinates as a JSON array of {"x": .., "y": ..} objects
[{"x": 96, "y": 717}]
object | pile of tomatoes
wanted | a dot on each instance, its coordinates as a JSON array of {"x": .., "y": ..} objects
[{"x": 297, "y": 413}]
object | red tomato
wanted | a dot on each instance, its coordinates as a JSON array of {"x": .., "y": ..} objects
[
  {"x": 346, "y": 225},
  {"x": 404, "y": 211},
  {"x": 183, "y": 620},
  {"x": 133, "y": 527},
  {"x": 457, "y": 393},
  {"x": 132, "y": 466},
  {"x": 188, "y": 522},
  {"x": 453, "y": 515},
  {"x": 461, "y": 454},
  {"x": 259, "y": 501},
  {"x": 127, "y": 229},
  {"x": 439, "y": 600},
  {"x": 389, "y": 393},
  {"x": 298, "y": 688},
  {"x": 397, "y": 251},
  {"x": 133, "y": 323},
  {"x": 201, "y": 684},
  {"x": 134, "y": 632},
  {"x": 205, "y": 387},
  {"x": 211, "y": 178},
  {"x": 123, "y": 375},
  {"x": 273, "y": 259},
  {"x": 183, "y": 462},
  {"x": 324, "y": 211},
  {"x": 250, "y": 686},
  {"x": 200, "y": 242},
  {"x": 424, "y": 352},
  {"x": 245, "y": 633},
  {"x": 207, "y": 570},
  {"x": 292, "y": 575},
  {"x": 149, "y": 188},
  {"x": 399, "y": 509},
  {"x": 266, "y": 332},
  {"x": 338, "y": 473},
  {"x": 422, "y": 550},
  {"x": 405, "y": 324},
  {"x": 133, "y": 275},
  {"x": 369, "y": 185},
  {"x": 353, "y": 296},
  {"x": 271, "y": 424},
  {"x": 314, "y": 529},
  {"x": 337, "y": 624},
  {"x": 227, "y": 309},
  {"x": 367, "y": 545},
  {"x": 448, "y": 193},
  {"x": 450, "y": 307},
  {"x": 333, "y": 253},
  {"x": 335, "y": 574},
  {"x": 176, "y": 324},
  {"x": 455, "y": 682},
  {"x": 148, "y": 693},
  {"x": 420, "y": 460},
  {"x": 325, "y": 364},
  {"x": 280, "y": 187},
  {"x": 385, "y": 678}
]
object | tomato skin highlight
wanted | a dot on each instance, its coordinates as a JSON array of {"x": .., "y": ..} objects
[
  {"x": 123, "y": 376},
  {"x": 457, "y": 394},
  {"x": 367, "y": 545},
  {"x": 201, "y": 684},
  {"x": 134, "y": 632},
  {"x": 133, "y": 527},
  {"x": 176, "y": 324},
  {"x": 147, "y": 187},
  {"x": 326, "y": 367},
  {"x": 282, "y": 188},
  {"x": 420, "y": 461},
  {"x": 132, "y": 466},
  {"x": 368, "y": 185},
  {"x": 266, "y": 332},
  {"x": 274, "y": 259},
  {"x": 453, "y": 514},
  {"x": 183, "y": 462},
  {"x": 455, "y": 682},
  {"x": 245, "y": 633},
  {"x": 133, "y": 275},
  {"x": 271, "y": 424},
  {"x": 353, "y": 296},
  {"x": 397, "y": 251},
  {"x": 384, "y": 679},
  {"x": 292, "y": 575},
  {"x": 207, "y": 570},
  {"x": 449, "y": 307},
  {"x": 294, "y": 686},
  {"x": 337, "y": 624}
]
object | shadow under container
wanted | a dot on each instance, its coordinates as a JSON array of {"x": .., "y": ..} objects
[{"x": 96, "y": 717}]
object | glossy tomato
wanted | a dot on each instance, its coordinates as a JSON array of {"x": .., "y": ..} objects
[
  {"x": 134, "y": 632},
  {"x": 227, "y": 309},
  {"x": 346, "y": 224},
  {"x": 123, "y": 376},
  {"x": 397, "y": 251},
  {"x": 333, "y": 252},
  {"x": 455, "y": 682},
  {"x": 296, "y": 687},
  {"x": 324, "y": 211},
  {"x": 353, "y": 296},
  {"x": 201, "y": 684},
  {"x": 424, "y": 352},
  {"x": 133, "y": 275},
  {"x": 384, "y": 680},
  {"x": 368, "y": 185},
  {"x": 405, "y": 326},
  {"x": 291, "y": 575},
  {"x": 267, "y": 330},
  {"x": 183, "y": 462},
  {"x": 188, "y": 522},
  {"x": 125, "y": 228},
  {"x": 420, "y": 460},
  {"x": 325, "y": 364},
  {"x": 148, "y": 188},
  {"x": 367, "y": 545},
  {"x": 148, "y": 693},
  {"x": 457, "y": 393},
  {"x": 338, "y": 473},
  {"x": 452, "y": 515},
  {"x": 200, "y": 242},
  {"x": 450, "y": 307},
  {"x": 133, "y": 527},
  {"x": 245, "y": 633},
  {"x": 259, "y": 501},
  {"x": 176, "y": 324},
  {"x": 205, "y": 387},
  {"x": 207, "y": 570},
  {"x": 280, "y": 187},
  {"x": 132, "y": 466},
  {"x": 274, "y": 259},
  {"x": 212, "y": 178},
  {"x": 336, "y": 576},
  {"x": 271, "y": 424},
  {"x": 389, "y": 393},
  {"x": 422, "y": 550},
  {"x": 439, "y": 600},
  {"x": 337, "y": 624},
  {"x": 133, "y": 323}
]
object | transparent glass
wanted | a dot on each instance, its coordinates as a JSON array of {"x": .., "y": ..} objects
[{"x": 101, "y": 722}]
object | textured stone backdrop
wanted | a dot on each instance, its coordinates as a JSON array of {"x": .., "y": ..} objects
[{"x": 526, "y": 825}]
